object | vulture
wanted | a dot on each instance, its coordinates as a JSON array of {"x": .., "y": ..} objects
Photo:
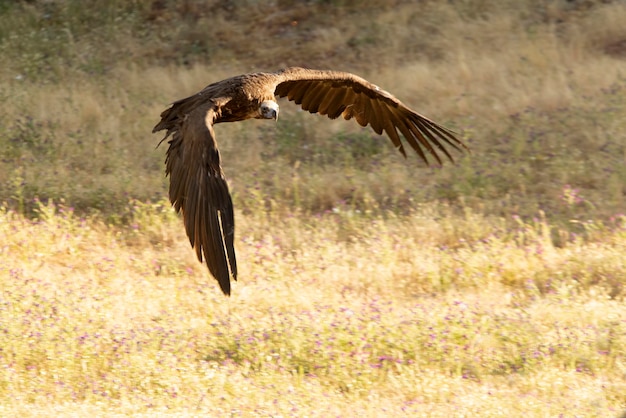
[{"x": 198, "y": 187}]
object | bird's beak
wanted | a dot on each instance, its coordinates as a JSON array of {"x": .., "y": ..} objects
[
  {"x": 271, "y": 113},
  {"x": 269, "y": 110}
]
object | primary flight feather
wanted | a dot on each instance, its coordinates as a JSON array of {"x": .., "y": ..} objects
[{"x": 198, "y": 187}]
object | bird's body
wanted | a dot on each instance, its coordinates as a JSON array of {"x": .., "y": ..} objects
[{"x": 197, "y": 184}]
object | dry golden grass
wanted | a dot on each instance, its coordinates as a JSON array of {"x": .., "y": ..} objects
[
  {"x": 325, "y": 321},
  {"x": 369, "y": 285}
]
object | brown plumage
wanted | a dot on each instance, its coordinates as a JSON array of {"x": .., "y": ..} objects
[{"x": 197, "y": 183}]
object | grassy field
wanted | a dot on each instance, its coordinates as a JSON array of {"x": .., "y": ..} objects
[{"x": 369, "y": 284}]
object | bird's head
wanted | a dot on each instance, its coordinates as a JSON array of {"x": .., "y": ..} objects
[{"x": 268, "y": 110}]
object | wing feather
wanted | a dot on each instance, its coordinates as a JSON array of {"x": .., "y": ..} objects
[
  {"x": 312, "y": 100},
  {"x": 332, "y": 100},
  {"x": 444, "y": 134},
  {"x": 399, "y": 124},
  {"x": 350, "y": 103},
  {"x": 420, "y": 134},
  {"x": 298, "y": 92},
  {"x": 199, "y": 189},
  {"x": 360, "y": 110},
  {"x": 426, "y": 138},
  {"x": 334, "y": 93},
  {"x": 349, "y": 100},
  {"x": 392, "y": 132},
  {"x": 337, "y": 106},
  {"x": 368, "y": 111},
  {"x": 375, "y": 116}
]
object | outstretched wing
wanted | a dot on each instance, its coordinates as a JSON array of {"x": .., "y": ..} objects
[
  {"x": 198, "y": 186},
  {"x": 335, "y": 94}
]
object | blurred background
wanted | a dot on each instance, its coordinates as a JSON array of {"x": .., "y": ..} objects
[{"x": 535, "y": 88}]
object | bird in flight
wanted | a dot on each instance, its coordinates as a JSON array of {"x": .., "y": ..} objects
[{"x": 198, "y": 187}]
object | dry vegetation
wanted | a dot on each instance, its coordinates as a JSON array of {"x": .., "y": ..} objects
[{"x": 369, "y": 285}]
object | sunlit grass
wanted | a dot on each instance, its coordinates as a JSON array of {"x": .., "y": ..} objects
[{"x": 386, "y": 316}]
